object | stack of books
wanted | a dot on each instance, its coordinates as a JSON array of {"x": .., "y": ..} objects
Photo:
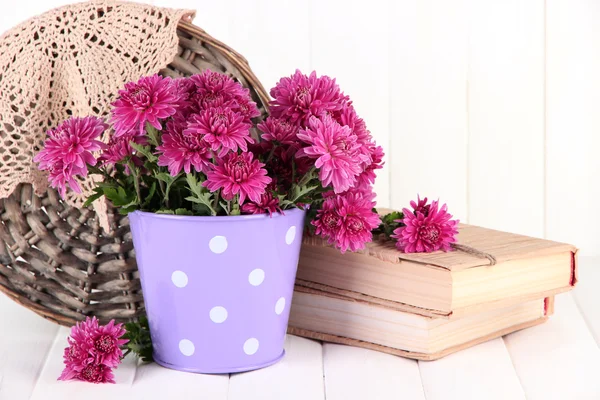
[{"x": 426, "y": 306}]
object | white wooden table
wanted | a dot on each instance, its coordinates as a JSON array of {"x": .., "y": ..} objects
[{"x": 557, "y": 360}]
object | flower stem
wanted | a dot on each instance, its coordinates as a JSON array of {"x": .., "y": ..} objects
[
  {"x": 136, "y": 180},
  {"x": 270, "y": 154},
  {"x": 307, "y": 178},
  {"x": 161, "y": 185},
  {"x": 216, "y": 203}
]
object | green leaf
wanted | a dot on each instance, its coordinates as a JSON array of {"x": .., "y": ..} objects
[
  {"x": 145, "y": 151},
  {"x": 299, "y": 192},
  {"x": 152, "y": 134},
  {"x": 195, "y": 186},
  {"x": 95, "y": 170},
  {"x": 389, "y": 223},
  {"x": 150, "y": 194},
  {"x": 99, "y": 193},
  {"x": 201, "y": 209},
  {"x": 225, "y": 206},
  {"x": 119, "y": 197},
  {"x": 200, "y": 195},
  {"x": 165, "y": 177},
  {"x": 140, "y": 341},
  {"x": 183, "y": 211},
  {"x": 310, "y": 175},
  {"x": 128, "y": 209},
  {"x": 164, "y": 211},
  {"x": 106, "y": 184}
]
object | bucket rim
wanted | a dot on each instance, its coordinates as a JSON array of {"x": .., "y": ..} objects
[{"x": 217, "y": 218}]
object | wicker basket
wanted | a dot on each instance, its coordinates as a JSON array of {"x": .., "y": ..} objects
[{"x": 56, "y": 260}]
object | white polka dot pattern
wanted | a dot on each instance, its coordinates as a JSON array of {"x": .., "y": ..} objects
[
  {"x": 251, "y": 346},
  {"x": 218, "y": 244},
  {"x": 186, "y": 347},
  {"x": 280, "y": 306},
  {"x": 179, "y": 279},
  {"x": 218, "y": 314},
  {"x": 290, "y": 235},
  {"x": 256, "y": 277}
]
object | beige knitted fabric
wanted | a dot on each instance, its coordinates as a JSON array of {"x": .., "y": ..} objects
[{"x": 72, "y": 61}]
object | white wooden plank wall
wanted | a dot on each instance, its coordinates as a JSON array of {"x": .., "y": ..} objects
[
  {"x": 490, "y": 106},
  {"x": 506, "y": 115}
]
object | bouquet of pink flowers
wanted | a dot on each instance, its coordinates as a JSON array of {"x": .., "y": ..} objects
[{"x": 196, "y": 146}]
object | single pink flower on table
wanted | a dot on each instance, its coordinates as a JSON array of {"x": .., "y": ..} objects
[
  {"x": 335, "y": 150},
  {"x": 347, "y": 220},
  {"x": 223, "y": 129},
  {"x": 151, "y": 99},
  {"x": 179, "y": 151},
  {"x": 107, "y": 343},
  {"x": 267, "y": 204},
  {"x": 75, "y": 359},
  {"x": 96, "y": 373},
  {"x": 72, "y": 143},
  {"x": 238, "y": 174},
  {"x": 299, "y": 97},
  {"x": 420, "y": 206},
  {"x": 426, "y": 233},
  {"x": 93, "y": 351}
]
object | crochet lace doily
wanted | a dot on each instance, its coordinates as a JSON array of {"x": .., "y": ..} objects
[{"x": 72, "y": 61}]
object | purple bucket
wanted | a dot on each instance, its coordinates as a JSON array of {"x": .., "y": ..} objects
[{"x": 217, "y": 290}]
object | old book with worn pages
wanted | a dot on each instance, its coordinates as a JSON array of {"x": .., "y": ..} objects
[
  {"x": 337, "y": 318},
  {"x": 488, "y": 270}
]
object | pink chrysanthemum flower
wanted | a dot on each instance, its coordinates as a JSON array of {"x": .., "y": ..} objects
[
  {"x": 245, "y": 106},
  {"x": 238, "y": 174},
  {"x": 96, "y": 373},
  {"x": 420, "y": 206},
  {"x": 347, "y": 116},
  {"x": 223, "y": 129},
  {"x": 60, "y": 175},
  {"x": 75, "y": 359},
  {"x": 367, "y": 177},
  {"x": 335, "y": 150},
  {"x": 93, "y": 351},
  {"x": 347, "y": 220},
  {"x": 267, "y": 204},
  {"x": 425, "y": 234},
  {"x": 213, "y": 89},
  {"x": 119, "y": 148},
  {"x": 279, "y": 131},
  {"x": 214, "y": 82},
  {"x": 206, "y": 100},
  {"x": 185, "y": 90},
  {"x": 179, "y": 151},
  {"x": 299, "y": 97},
  {"x": 68, "y": 151},
  {"x": 150, "y": 99},
  {"x": 107, "y": 343},
  {"x": 370, "y": 152},
  {"x": 72, "y": 143}
]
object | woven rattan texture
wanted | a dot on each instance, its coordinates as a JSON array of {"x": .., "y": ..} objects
[{"x": 56, "y": 259}]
